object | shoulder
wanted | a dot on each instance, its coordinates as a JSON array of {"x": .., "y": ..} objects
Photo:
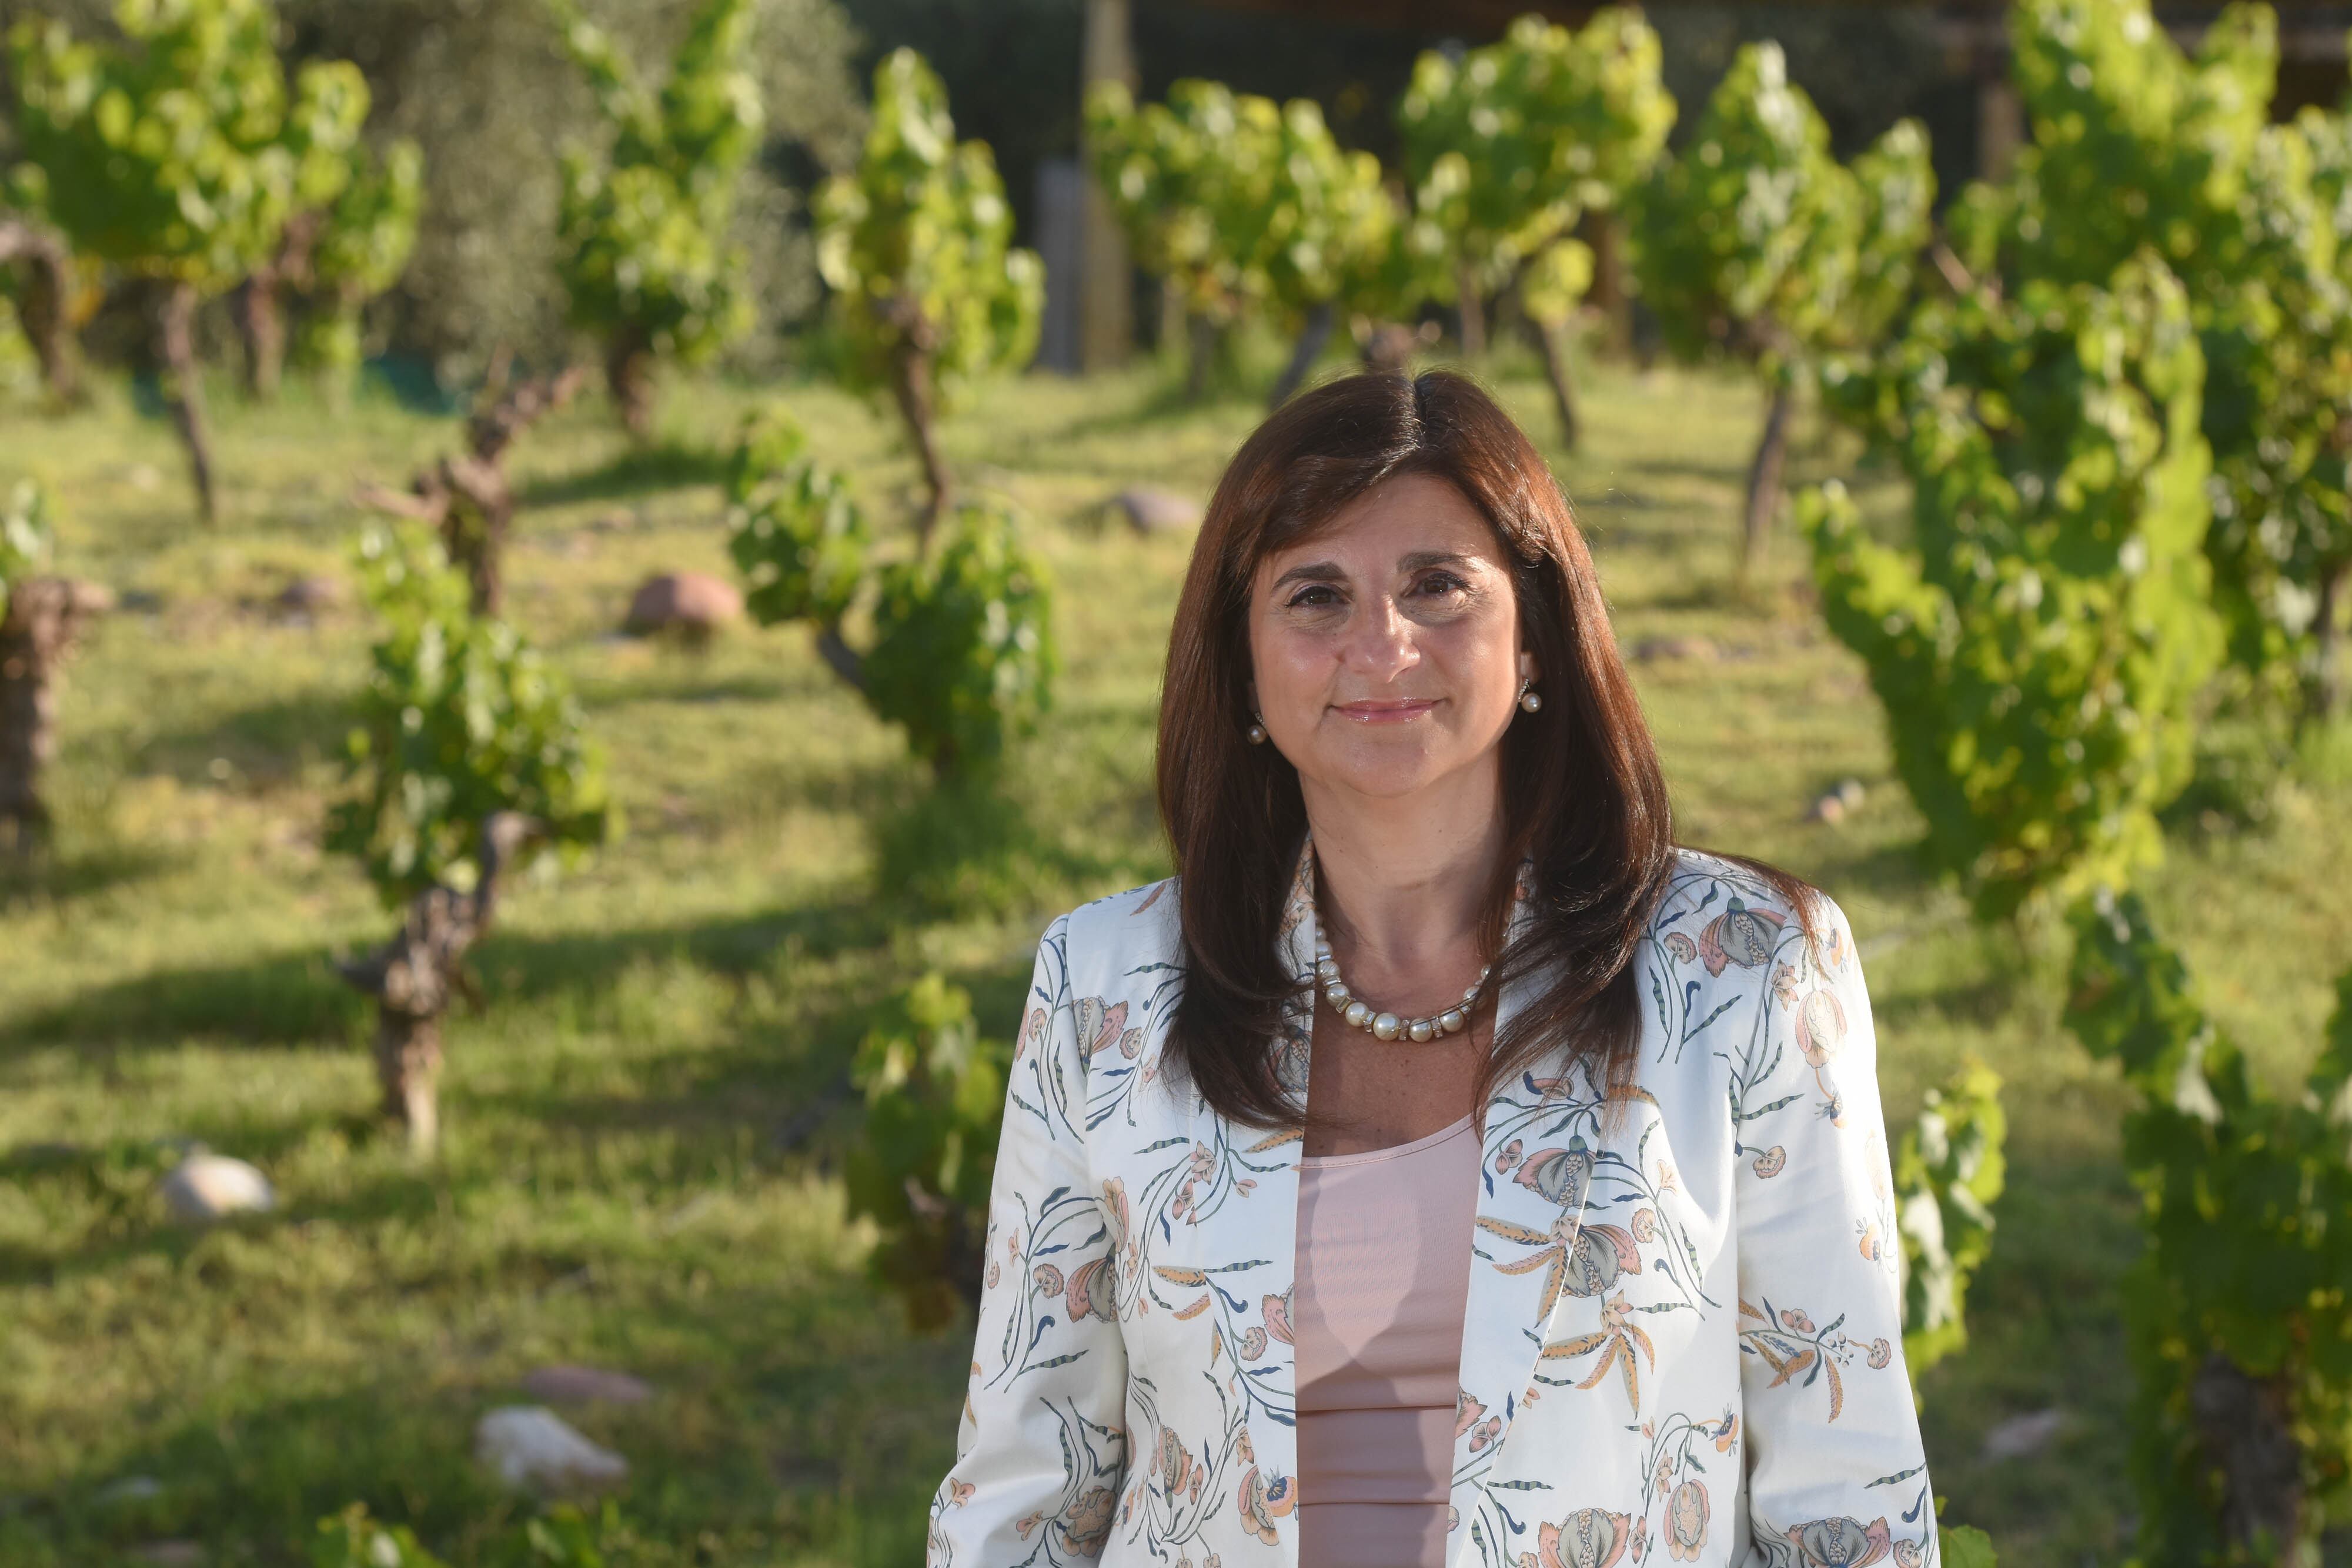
[
  {"x": 1120, "y": 933},
  {"x": 1705, "y": 885}
]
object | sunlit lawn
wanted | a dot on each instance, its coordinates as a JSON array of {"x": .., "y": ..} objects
[{"x": 643, "y": 1125}]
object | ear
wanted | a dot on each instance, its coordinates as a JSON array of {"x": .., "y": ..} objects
[{"x": 1527, "y": 665}]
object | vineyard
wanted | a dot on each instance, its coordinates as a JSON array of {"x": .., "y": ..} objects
[{"x": 581, "y": 844}]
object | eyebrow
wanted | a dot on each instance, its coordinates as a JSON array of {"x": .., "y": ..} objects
[{"x": 1330, "y": 571}]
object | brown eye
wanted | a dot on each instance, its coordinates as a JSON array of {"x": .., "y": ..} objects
[{"x": 1306, "y": 598}]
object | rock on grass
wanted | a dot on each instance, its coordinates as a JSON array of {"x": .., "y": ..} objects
[
  {"x": 209, "y": 1186},
  {"x": 693, "y": 603},
  {"x": 532, "y": 1448}
]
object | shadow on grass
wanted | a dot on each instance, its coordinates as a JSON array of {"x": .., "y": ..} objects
[
  {"x": 788, "y": 1422},
  {"x": 1886, "y": 869},
  {"x": 1731, "y": 472},
  {"x": 684, "y": 687},
  {"x": 252, "y": 1479},
  {"x": 963, "y": 849},
  {"x": 268, "y": 742},
  {"x": 296, "y": 997},
  {"x": 79, "y": 871},
  {"x": 286, "y": 999},
  {"x": 668, "y": 464},
  {"x": 1169, "y": 398}
]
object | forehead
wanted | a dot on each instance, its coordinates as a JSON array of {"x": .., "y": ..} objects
[{"x": 1411, "y": 514}]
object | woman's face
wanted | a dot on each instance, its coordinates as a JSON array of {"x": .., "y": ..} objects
[{"x": 1385, "y": 649}]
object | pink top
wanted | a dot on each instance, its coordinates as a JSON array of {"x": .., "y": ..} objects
[{"x": 1383, "y": 1281}]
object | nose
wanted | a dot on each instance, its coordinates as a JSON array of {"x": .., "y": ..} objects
[{"x": 1381, "y": 644}]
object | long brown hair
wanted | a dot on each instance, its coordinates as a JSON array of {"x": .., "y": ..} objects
[{"x": 1583, "y": 797}]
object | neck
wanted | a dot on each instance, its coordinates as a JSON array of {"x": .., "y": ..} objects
[{"x": 1404, "y": 880}]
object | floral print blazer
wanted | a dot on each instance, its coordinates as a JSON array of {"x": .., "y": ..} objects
[{"x": 1683, "y": 1333}]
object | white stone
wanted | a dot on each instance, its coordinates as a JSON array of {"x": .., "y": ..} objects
[
  {"x": 207, "y": 1187},
  {"x": 532, "y": 1448}
]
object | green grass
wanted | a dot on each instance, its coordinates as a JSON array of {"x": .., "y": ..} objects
[{"x": 642, "y": 1131}]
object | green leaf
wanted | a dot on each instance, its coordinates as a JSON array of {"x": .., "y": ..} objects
[
  {"x": 1964, "y": 1546},
  {"x": 460, "y": 719}
]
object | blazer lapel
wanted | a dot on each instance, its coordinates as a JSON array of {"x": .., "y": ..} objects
[
  {"x": 1245, "y": 1216},
  {"x": 1543, "y": 1271}
]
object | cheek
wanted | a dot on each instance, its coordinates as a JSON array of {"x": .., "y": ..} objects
[
  {"x": 1479, "y": 656},
  {"x": 1288, "y": 666}
]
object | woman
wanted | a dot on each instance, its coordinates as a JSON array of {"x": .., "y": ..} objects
[{"x": 1579, "y": 1249}]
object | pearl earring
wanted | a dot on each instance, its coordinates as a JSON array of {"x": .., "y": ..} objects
[
  {"x": 1528, "y": 700},
  {"x": 1256, "y": 733}
]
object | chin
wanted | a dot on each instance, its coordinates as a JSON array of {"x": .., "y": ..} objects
[{"x": 1383, "y": 771}]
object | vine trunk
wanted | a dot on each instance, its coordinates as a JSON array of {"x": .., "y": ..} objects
[
  {"x": 1552, "y": 342},
  {"x": 44, "y": 619},
  {"x": 414, "y": 977},
  {"x": 1764, "y": 483},
  {"x": 1312, "y": 339},
  {"x": 2246, "y": 1425},
  {"x": 629, "y": 374},
  {"x": 184, "y": 389},
  {"x": 42, "y": 308},
  {"x": 910, "y": 384},
  {"x": 2328, "y": 682},
  {"x": 1472, "y": 310}
]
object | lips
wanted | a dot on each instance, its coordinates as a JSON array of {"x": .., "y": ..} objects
[{"x": 1396, "y": 711}]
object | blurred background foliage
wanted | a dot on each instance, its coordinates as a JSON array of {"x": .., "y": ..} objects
[{"x": 483, "y": 88}]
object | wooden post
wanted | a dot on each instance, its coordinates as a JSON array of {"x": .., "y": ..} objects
[{"x": 1106, "y": 281}]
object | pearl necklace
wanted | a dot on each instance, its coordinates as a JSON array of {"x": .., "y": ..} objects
[{"x": 1389, "y": 1026}]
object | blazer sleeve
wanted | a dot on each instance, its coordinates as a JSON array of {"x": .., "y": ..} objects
[
  {"x": 1040, "y": 1446},
  {"x": 1836, "y": 1474}
]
